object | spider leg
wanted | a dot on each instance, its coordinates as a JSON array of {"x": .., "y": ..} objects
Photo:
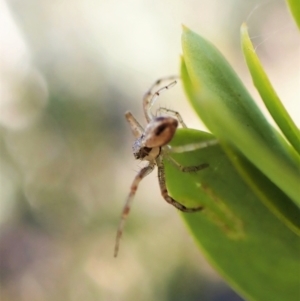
[
  {"x": 164, "y": 190},
  {"x": 161, "y": 80},
  {"x": 182, "y": 168},
  {"x": 175, "y": 113},
  {"x": 134, "y": 186},
  {"x": 187, "y": 148},
  {"x": 191, "y": 147},
  {"x": 136, "y": 128},
  {"x": 150, "y": 97}
]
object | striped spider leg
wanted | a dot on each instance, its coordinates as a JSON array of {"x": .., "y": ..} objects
[{"x": 151, "y": 145}]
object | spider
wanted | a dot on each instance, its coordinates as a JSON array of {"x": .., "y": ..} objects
[{"x": 151, "y": 145}]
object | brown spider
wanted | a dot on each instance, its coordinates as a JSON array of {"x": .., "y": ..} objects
[{"x": 151, "y": 144}]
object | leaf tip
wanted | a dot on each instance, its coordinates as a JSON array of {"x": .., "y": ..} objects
[
  {"x": 185, "y": 28},
  {"x": 244, "y": 28}
]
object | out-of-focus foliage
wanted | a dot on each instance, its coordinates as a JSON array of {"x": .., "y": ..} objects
[
  {"x": 295, "y": 10},
  {"x": 68, "y": 72}
]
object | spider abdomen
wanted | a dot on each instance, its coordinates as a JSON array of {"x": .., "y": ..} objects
[{"x": 160, "y": 131}]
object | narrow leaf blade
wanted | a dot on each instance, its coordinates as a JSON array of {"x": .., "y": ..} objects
[{"x": 267, "y": 92}]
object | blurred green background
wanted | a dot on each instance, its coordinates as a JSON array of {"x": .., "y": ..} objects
[{"x": 68, "y": 72}]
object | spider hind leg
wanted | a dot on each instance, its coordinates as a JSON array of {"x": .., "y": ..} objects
[{"x": 165, "y": 193}]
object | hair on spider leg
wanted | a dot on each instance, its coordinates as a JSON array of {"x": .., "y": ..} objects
[{"x": 160, "y": 80}]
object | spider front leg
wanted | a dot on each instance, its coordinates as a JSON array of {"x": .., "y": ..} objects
[
  {"x": 134, "y": 186},
  {"x": 150, "y": 97},
  {"x": 136, "y": 128},
  {"x": 164, "y": 190}
]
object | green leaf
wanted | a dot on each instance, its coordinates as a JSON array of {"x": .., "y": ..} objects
[
  {"x": 253, "y": 250},
  {"x": 277, "y": 202},
  {"x": 267, "y": 92},
  {"x": 229, "y": 112},
  {"x": 295, "y": 10}
]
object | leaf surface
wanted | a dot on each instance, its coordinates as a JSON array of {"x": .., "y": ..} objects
[
  {"x": 229, "y": 112},
  {"x": 253, "y": 250}
]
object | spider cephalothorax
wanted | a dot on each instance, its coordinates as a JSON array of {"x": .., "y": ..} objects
[{"x": 151, "y": 145}]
